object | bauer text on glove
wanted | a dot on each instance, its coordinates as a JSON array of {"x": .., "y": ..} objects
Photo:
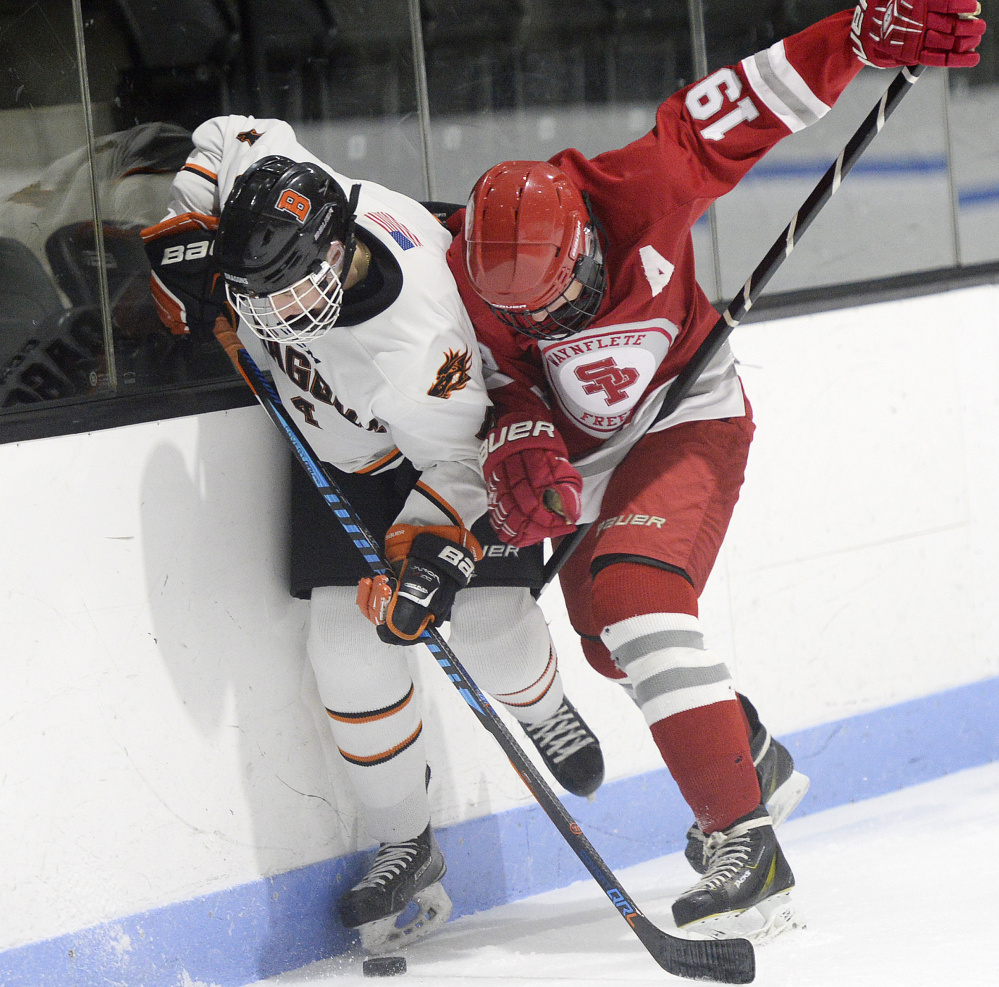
[
  {"x": 185, "y": 280},
  {"x": 533, "y": 491},
  {"x": 433, "y": 563}
]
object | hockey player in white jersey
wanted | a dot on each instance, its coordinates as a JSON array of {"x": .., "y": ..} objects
[{"x": 342, "y": 289}]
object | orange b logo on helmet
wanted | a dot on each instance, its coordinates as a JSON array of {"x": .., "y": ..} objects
[{"x": 298, "y": 205}]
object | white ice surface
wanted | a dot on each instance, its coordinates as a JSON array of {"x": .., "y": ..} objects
[{"x": 898, "y": 890}]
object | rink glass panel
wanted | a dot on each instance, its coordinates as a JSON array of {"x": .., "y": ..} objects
[
  {"x": 486, "y": 80},
  {"x": 50, "y": 350}
]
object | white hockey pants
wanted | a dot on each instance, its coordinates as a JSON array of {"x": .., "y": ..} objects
[{"x": 501, "y": 638}]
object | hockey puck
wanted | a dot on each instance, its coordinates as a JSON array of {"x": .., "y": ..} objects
[{"x": 384, "y": 966}]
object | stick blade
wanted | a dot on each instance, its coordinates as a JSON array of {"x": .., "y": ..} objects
[{"x": 724, "y": 961}]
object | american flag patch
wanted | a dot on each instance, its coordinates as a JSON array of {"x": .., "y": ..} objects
[{"x": 395, "y": 229}]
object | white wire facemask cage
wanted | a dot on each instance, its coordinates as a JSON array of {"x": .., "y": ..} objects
[{"x": 300, "y": 313}]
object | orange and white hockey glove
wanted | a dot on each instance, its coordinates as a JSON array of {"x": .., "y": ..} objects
[
  {"x": 893, "y": 33},
  {"x": 433, "y": 564},
  {"x": 185, "y": 280}
]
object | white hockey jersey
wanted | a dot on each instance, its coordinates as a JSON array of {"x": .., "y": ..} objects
[{"x": 387, "y": 381}]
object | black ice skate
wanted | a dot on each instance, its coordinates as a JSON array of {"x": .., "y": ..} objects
[
  {"x": 746, "y": 892},
  {"x": 569, "y": 749},
  {"x": 781, "y": 788},
  {"x": 402, "y": 874}
]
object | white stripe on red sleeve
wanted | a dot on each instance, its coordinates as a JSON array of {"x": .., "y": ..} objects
[{"x": 781, "y": 89}]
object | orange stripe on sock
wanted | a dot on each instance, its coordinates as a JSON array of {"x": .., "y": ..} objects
[
  {"x": 503, "y": 697},
  {"x": 374, "y": 715},
  {"x": 373, "y": 759}
]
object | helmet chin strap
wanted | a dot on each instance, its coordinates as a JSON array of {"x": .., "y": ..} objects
[
  {"x": 350, "y": 235},
  {"x": 594, "y": 221}
]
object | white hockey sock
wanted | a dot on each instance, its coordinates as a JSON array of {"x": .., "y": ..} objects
[
  {"x": 374, "y": 712},
  {"x": 501, "y": 636},
  {"x": 664, "y": 657}
]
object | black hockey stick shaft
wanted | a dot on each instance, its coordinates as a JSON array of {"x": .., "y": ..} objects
[
  {"x": 729, "y": 961},
  {"x": 765, "y": 270}
]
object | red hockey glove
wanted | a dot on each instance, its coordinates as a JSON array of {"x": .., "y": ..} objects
[
  {"x": 433, "y": 564},
  {"x": 892, "y": 33},
  {"x": 534, "y": 491},
  {"x": 186, "y": 282}
]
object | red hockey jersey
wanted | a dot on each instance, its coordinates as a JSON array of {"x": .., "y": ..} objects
[{"x": 646, "y": 197}]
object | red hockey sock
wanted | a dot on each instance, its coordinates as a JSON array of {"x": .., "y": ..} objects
[
  {"x": 706, "y": 748},
  {"x": 707, "y": 753},
  {"x": 599, "y": 657},
  {"x": 627, "y": 589}
]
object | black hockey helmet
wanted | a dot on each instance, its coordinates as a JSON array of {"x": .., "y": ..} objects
[{"x": 274, "y": 236}]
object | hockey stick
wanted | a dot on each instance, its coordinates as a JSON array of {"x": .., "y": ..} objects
[
  {"x": 730, "y": 961},
  {"x": 758, "y": 280}
]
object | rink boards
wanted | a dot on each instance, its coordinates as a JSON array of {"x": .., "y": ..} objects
[{"x": 173, "y": 805}]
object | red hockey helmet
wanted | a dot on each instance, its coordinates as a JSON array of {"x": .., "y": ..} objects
[{"x": 532, "y": 250}]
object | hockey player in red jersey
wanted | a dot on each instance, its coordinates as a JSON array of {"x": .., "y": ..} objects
[{"x": 579, "y": 276}]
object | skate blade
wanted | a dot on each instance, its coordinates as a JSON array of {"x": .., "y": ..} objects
[
  {"x": 433, "y": 909},
  {"x": 759, "y": 924},
  {"x": 785, "y": 800}
]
